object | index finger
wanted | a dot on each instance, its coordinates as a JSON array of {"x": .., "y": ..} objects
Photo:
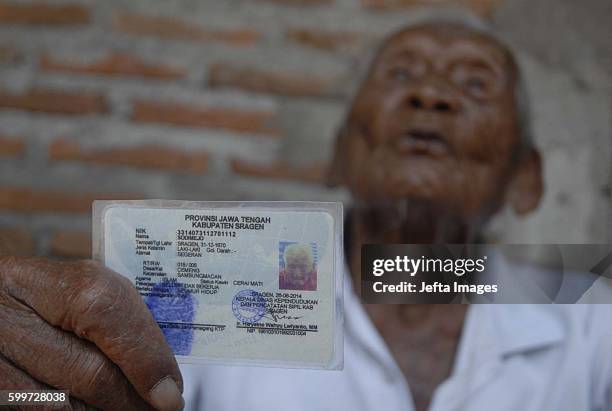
[{"x": 103, "y": 307}]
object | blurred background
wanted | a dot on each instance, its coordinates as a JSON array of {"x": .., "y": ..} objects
[{"x": 241, "y": 99}]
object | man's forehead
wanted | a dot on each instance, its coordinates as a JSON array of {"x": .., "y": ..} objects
[{"x": 445, "y": 36}]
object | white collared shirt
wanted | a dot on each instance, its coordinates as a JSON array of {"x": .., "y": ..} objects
[{"x": 510, "y": 357}]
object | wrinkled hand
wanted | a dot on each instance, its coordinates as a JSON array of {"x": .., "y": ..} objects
[{"x": 81, "y": 327}]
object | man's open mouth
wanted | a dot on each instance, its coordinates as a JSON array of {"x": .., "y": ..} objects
[{"x": 421, "y": 141}]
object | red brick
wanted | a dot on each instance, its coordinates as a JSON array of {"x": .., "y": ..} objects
[
  {"x": 10, "y": 146},
  {"x": 43, "y": 13},
  {"x": 155, "y": 157},
  {"x": 16, "y": 241},
  {"x": 27, "y": 200},
  {"x": 176, "y": 29},
  {"x": 71, "y": 244},
  {"x": 55, "y": 101},
  {"x": 481, "y": 7},
  {"x": 115, "y": 64},
  {"x": 282, "y": 171},
  {"x": 249, "y": 121},
  {"x": 322, "y": 40},
  {"x": 8, "y": 54},
  {"x": 255, "y": 80}
]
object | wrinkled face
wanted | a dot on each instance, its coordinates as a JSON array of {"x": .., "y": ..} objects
[
  {"x": 298, "y": 269},
  {"x": 435, "y": 120}
]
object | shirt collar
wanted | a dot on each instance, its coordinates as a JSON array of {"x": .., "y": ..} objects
[
  {"x": 504, "y": 329},
  {"x": 492, "y": 334},
  {"x": 519, "y": 328},
  {"x": 362, "y": 331}
]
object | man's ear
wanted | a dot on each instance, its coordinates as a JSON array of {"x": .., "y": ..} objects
[
  {"x": 526, "y": 187},
  {"x": 335, "y": 173}
]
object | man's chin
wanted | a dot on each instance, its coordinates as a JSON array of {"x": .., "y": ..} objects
[
  {"x": 411, "y": 187},
  {"x": 394, "y": 197},
  {"x": 405, "y": 181}
]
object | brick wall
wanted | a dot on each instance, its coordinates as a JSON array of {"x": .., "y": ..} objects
[{"x": 234, "y": 100}]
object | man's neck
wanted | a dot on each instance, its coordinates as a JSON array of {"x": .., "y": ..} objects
[
  {"x": 409, "y": 222},
  {"x": 422, "y": 338}
]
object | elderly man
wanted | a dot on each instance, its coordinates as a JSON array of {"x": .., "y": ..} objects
[
  {"x": 299, "y": 272},
  {"x": 432, "y": 147}
]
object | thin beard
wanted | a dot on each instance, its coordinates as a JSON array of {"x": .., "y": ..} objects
[{"x": 444, "y": 226}]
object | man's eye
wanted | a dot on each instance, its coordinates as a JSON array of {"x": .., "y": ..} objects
[
  {"x": 476, "y": 84},
  {"x": 399, "y": 73}
]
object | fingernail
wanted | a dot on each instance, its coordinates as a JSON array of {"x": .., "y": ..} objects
[{"x": 165, "y": 396}]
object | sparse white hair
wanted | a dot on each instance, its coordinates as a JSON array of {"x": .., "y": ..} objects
[{"x": 294, "y": 251}]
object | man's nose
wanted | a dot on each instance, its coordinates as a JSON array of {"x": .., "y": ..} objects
[{"x": 432, "y": 97}]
